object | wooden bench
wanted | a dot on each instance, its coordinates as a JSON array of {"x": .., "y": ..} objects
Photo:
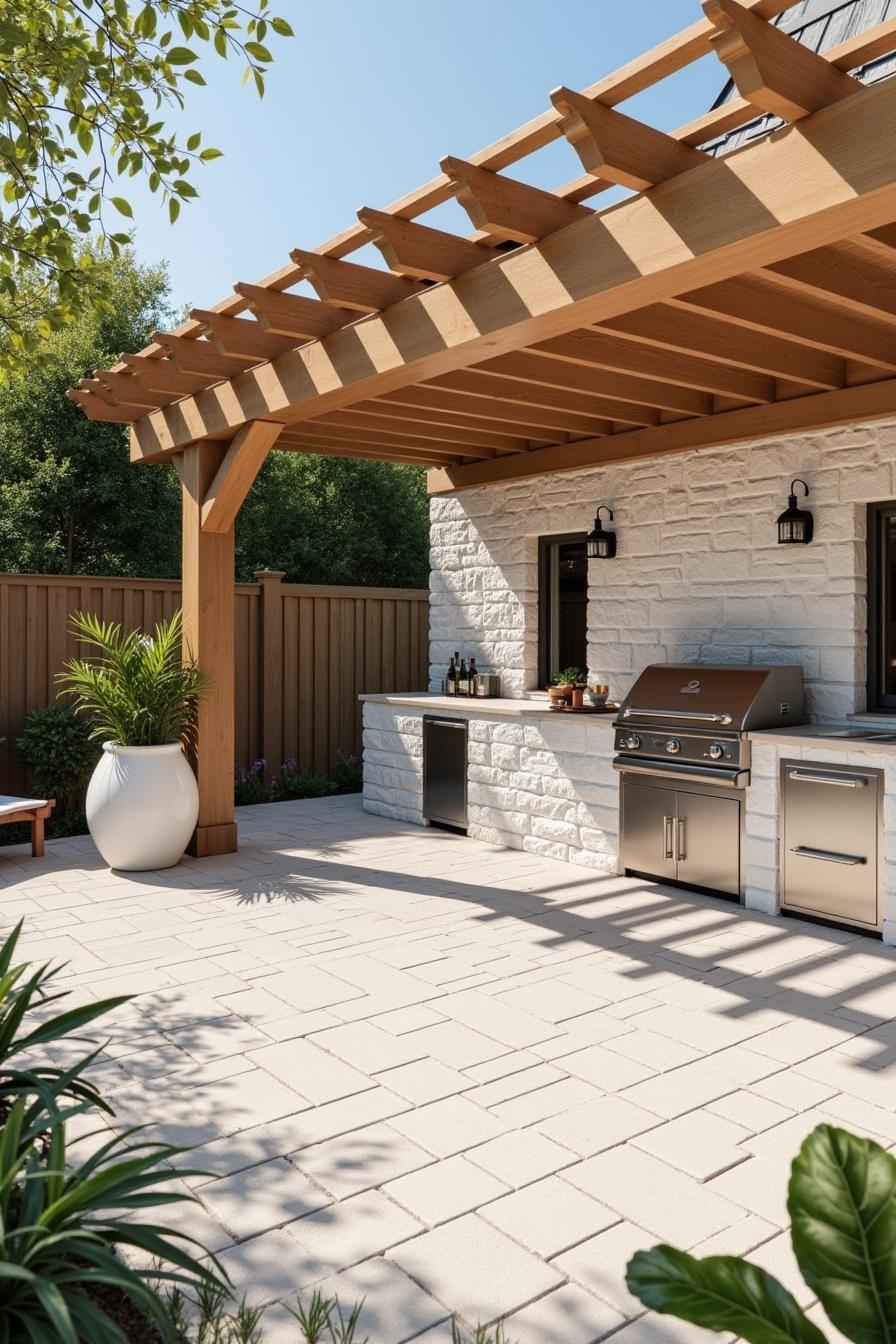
[{"x": 33, "y": 810}]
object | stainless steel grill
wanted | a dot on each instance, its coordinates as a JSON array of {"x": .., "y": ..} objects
[
  {"x": 692, "y": 720},
  {"x": 684, "y": 758}
]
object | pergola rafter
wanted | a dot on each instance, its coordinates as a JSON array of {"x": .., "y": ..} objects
[{"x": 729, "y": 296}]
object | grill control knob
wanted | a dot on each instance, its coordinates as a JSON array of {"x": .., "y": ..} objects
[
  {"x": 673, "y": 746},
  {"x": 716, "y": 751},
  {"x": 632, "y": 742}
]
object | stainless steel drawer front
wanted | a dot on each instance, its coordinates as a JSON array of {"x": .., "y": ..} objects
[{"x": 831, "y": 837}]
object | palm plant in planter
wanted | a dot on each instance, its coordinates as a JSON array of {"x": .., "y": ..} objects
[{"x": 142, "y": 696}]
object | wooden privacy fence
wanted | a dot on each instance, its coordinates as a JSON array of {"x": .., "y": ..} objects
[{"x": 303, "y": 655}]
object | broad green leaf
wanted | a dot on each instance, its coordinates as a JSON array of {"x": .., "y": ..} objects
[
  {"x": 173, "y": 208},
  {"x": 842, "y": 1204},
  {"x": 720, "y": 1292},
  {"x": 181, "y": 56},
  {"x": 122, "y": 206},
  {"x": 194, "y": 141}
]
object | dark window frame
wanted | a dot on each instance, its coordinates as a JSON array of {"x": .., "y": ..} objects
[
  {"x": 879, "y": 701},
  {"x": 545, "y": 547}
]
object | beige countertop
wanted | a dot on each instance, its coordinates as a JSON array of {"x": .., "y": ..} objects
[
  {"x": 824, "y": 736},
  {"x": 499, "y": 707}
]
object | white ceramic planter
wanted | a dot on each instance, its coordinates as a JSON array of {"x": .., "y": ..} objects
[{"x": 142, "y": 805}]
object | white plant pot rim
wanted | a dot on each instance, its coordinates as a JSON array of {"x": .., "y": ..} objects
[{"x": 159, "y": 749}]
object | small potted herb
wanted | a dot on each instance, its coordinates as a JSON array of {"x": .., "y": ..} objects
[{"x": 567, "y": 689}]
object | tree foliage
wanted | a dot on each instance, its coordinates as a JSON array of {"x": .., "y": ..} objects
[
  {"x": 70, "y": 501},
  {"x": 84, "y": 89},
  {"x": 336, "y": 520}
]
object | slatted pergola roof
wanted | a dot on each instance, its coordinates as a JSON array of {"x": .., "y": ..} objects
[{"x": 726, "y": 297}]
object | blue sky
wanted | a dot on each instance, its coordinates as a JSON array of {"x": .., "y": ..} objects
[{"x": 366, "y": 99}]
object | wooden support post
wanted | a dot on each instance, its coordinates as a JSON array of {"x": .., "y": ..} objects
[
  {"x": 208, "y": 607},
  {"x": 270, "y": 663}
]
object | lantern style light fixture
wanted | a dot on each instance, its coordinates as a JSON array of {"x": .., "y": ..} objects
[
  {"x": 601, "y": 544},
  {"x": 795, "y": 525}
]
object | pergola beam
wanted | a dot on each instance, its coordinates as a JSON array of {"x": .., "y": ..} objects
[
  {"x": 870, "y": 401},
  {"x": 531, "y": 377},
  {"x": 376, "y": 428},
  {"x": 508, "y": 209},
  {"x": 345, "y": 284},
  {"x": 407, "y": 459},
  {"x": 160, "y": 375},
  {"x": 771, "y": 70},
  {"x": 435, "y": 402},
  {"x": 771, "y": 308},
  {"x": 199, "y": 356},
  {"x": 677, "y": 329},
  {"x": 233, "y": 479},
  {"x": 601, "y": 349},
  {"x": 617, "y": 148},
  {"x": 240, "y": 336},
  {"x": 420, "y": 252},
  {"x": 293, "y": 315},
  {"x": 845, "y": 276}
]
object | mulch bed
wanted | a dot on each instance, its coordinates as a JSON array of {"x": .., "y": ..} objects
[{"x": 128, "y": 1317}]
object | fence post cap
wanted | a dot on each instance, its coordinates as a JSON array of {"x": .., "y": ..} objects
[{"x": 263, "y": 574}]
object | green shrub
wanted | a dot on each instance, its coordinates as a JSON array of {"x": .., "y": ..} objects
[
  {"x": 57, "y": 749},
  {"x": 842, "y": 1206},
  {"x": 347, "y": 773},
  {"x": 250, "y": 786},
  {"x": 137, "y": 689},
  {"x": 292, "y": 782}
]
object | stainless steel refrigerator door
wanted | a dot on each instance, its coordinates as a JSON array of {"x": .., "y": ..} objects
[
  {"x": 830, "y": 842},
  {"x": 648, "y": 821},
  {"x": 707, "y": 841}
]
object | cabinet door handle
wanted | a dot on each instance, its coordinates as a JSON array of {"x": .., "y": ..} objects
[
  {"x": 829, "y": 855},
  {"x": 667, "y": 838},
  {"x": 681, "y": 846},
  {"x": 843, "y": 781}
]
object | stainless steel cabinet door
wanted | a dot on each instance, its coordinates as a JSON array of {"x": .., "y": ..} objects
[
  {"x": 648, "y": 820},
  {"x": 831, "y": 827},
  {"x": 707, "y": 842}
]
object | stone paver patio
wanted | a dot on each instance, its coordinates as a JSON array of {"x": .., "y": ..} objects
[{"x": 448, "y": 1077}]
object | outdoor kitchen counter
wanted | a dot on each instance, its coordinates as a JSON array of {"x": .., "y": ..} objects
[
  {"x": 498, "y": 707},
  {"x": 537, "y": 779}
]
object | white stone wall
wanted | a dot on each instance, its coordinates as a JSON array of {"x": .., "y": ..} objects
[
  {"x": 538, "y": 784},
  {"x": 699, "y": 576},
  {"x": 763, "y": 821}
]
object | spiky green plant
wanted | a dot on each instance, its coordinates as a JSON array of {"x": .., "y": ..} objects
[
  {"x": 25, "y": 1070},
  {"x": 57, "y": 1239},
  {"x": 138, "y": 689}
]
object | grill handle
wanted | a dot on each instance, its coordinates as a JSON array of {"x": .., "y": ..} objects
[
  {"x": 828, "y": 855},
  {"x": 695, "y": 774},
  {"x": 696, "y": 715},
  {"x": 818, "y": 777}
]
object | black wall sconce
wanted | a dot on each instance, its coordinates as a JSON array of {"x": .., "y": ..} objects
[
  {"x": 795, "y": 525},
  {"x": 601, "y": 544}
]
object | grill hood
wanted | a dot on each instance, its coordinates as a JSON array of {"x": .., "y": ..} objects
[{"x": 721, "y": 698}]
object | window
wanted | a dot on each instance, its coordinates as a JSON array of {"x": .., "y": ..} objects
[
  {"x": 562, "y": 605},
  {"x": 882, "y": 607}
]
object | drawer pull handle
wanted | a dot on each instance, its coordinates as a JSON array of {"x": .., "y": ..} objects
[
  {"x": 807, "y": 852},
  {"x": 667, "y": 838},
  {"x": 682, "y": 853},
  {"x": 844, "y": 781}
]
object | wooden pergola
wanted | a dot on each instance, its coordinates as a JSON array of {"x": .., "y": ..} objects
[{"x": 725, "y": 298}]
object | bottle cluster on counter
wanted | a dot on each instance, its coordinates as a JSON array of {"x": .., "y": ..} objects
[{"x": 465, "y": 679}]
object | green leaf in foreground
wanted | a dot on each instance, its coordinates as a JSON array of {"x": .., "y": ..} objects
[
  {"x": 842, "y": 1203},
  {"x": 720, "y": 1292}
]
